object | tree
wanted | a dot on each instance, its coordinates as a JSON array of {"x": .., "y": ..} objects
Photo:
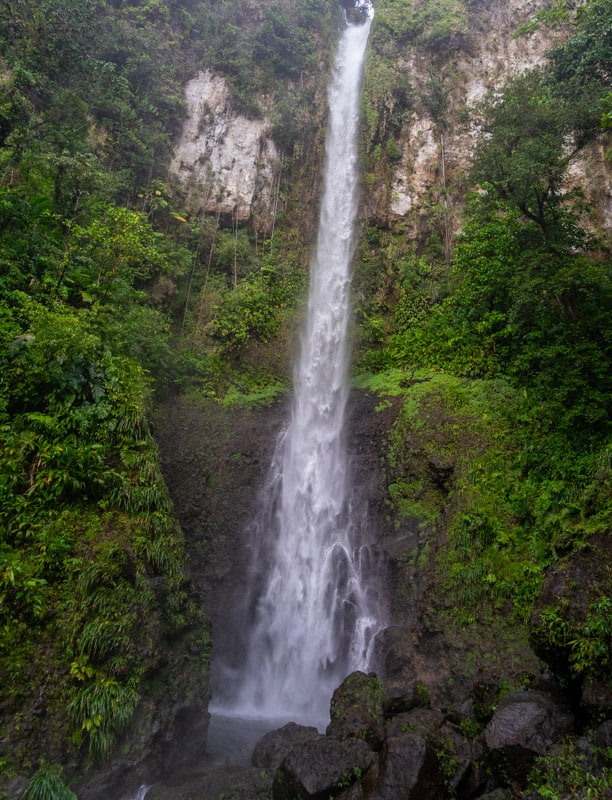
[{"x": 529, "y": 138}]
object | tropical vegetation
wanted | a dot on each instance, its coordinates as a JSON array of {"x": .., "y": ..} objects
[{"x": 112, "y": 292}]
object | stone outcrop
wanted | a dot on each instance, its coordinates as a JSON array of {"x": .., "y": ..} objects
[
  {"x": 226, "y": 162},
  {"x": 321, "y": 768},
  {"x": 523, "y": 727},
  {"x": 272, "y": 749},
  {"x": 432, "y": 153},
  {"x": 357, "y": 710},
  {"x": 410, "y": 769}
]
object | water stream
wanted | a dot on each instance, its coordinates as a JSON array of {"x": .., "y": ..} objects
[{"x": 313, "y": 611}]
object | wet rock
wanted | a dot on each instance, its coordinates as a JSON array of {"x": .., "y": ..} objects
[
  {"x": 524, "y": 726},
  {"x": 185, "y": 742},
  {"x": 409, "y": 770},
  {"x": 357, "y": 710},
  {"x": 402, "y": 699},
  {"x": 322, "y": 768},
  {"x": 393, "y": 646},
  {"x": 275, "y": 746},
  {"x": 596, "y": 699},
  {"x": 422, "y": 720},
  {"x": 603, "y": 735},
  {"x": 239, "y": 783}
]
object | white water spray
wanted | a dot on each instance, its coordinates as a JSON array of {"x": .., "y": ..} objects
[{"x": 315, "y": 619}]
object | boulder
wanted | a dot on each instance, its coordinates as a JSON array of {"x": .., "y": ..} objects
[
  {"x": 321, "y": 768},
  {"x": 603, "y": 735},
  {"x": 458, "y": 756},
  {"x": 596, "y": 699},
  {"x": 356, "y": 710},
  {"x": 410, "y": 770},
  {"x": 275, "y": 746},
  {"x": 524, "y": 726},
  {"x": 401, "y": 699}
]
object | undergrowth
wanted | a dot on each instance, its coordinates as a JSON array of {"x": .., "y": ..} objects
[{"x": 470, "y": 451}]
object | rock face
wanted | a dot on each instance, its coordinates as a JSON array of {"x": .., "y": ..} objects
[
  {"x": 410, "y": 770},
  {"x": 272, "y": 749},
  {"x": 484, "y": 62},
  {"x": 224, "y": 161},
  {"x": 228, "y": 164},
  {"x": 321, "y": 768},
  {"x": 524, "y": 726},
  {"x": 357, "y": 710}
]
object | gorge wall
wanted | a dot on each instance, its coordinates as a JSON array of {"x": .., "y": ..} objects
[
  {"x": 226, "y": 162},
  {"x": 421, "y": 442},
  {"x": 420, "y": 123},
  {"x": 423, "y": 84}
]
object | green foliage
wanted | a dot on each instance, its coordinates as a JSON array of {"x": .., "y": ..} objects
[
  {"x": 588, "y": 643},
  {"x": 472, "y": 452},
  {"x": 85, "y": 519},
  {"x": 47, "y": 784},
  {"x": 530, "y": 134},
  {"x": 101, "y": 708},
  {"x": 537, "y": 315},
  {"x": 249, "y": 311},
  {"x": 433, "y": 23},
  {"x": 256, "y": 397},
  {"x": 279, "y": 46},
  {"x": 572, "y": 774}
]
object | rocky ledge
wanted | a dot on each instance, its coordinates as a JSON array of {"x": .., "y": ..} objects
[{"x": 384, "y": 745}]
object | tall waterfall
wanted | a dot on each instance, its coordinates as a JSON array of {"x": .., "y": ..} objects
[{"x": 314, "y": 617}]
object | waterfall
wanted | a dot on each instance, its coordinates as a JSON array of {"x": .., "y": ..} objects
[{"x": 314, "y": 617}]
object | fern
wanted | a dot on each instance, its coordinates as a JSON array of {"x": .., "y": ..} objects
[{"x": 47, "y": 784}]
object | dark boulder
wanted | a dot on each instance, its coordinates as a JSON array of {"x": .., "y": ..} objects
[
  {"x": 321, "y": 769},
  {"x": 401, "y": 699},
  {"x": 596, "y": 699},
  {"x": 410, "y": 770},
  {"x": 275, "y": 746},
  {"x": 524, "y": 726},
  {"x": 356, "y": 710},
  {"x": 458, "y": 757}
]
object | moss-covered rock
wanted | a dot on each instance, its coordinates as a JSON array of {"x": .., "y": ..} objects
[{"x": 357, "y": 710}]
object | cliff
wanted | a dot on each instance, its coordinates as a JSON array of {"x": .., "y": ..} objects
[{"x": 423, "y": 86}]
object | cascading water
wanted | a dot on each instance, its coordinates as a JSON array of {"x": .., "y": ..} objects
[{"x": 314, "y": 618}]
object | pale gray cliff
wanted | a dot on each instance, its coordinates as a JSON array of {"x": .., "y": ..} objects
[{"x": 228, "y": 164}]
